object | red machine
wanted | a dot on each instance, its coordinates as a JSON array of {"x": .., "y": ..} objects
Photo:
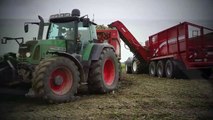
[
  {"x": 169, "y": 52},
  {"x": 112, "y": 37}
]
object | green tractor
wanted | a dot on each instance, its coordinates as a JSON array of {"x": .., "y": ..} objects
[{"x": 71, "y": 55}]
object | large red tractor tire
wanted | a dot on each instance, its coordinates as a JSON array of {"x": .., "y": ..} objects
[
  {"x": 152, "y": 68},
  {"x": 104, "y": 73},
  {"x": 56, "y": 79},
  {"x": 160, "y": 68},
  {"x": 120, "y": 70}
]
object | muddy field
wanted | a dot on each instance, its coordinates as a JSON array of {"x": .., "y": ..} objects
[{"x": 138, "y": 97}]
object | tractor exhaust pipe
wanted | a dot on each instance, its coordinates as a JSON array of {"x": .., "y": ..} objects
[{"x": 41, "y": 28}]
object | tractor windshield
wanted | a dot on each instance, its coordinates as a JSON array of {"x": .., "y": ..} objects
[{"x": 63, "y": 31}]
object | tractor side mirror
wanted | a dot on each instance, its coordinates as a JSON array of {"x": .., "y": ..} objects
[
  {"x": 26, "y": 28},
  {"x": 3, "y": 41},
  {"x": 86, "y": 22}
]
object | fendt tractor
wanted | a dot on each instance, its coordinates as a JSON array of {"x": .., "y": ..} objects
[
  {"x": 74, "y": 53},
  {"x": 171, "y": 52}
]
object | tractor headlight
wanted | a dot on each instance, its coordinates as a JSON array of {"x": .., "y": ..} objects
[{"x": 28, "y": 54}]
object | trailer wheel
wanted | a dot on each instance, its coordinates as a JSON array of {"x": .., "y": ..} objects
[
  {"x": 128, "y": 69},
  {"x": 104, "y": 73},
  {"x": 135, "y": 67},
  {"x": 138, "y": 67},
  {"x": 160, "y": 69},
  {"x": 152, "y": 68},
  {"x": 56, "y": 79},
  {"x": 170, "y": 69}
]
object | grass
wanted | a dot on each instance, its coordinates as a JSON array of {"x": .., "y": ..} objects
[{"x": 137, "y": 97}]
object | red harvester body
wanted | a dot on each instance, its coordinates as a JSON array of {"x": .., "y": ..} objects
[
  {"x": 112, "y": 37},
  {"x": 186, "y": 43}
]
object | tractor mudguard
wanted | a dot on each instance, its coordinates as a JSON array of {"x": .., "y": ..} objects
[
  {"x": 97, "y": 49},
  {"x": 76, "y": 59}
]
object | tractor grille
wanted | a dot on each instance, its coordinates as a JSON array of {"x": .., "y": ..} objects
[
  {"x": 23, "y": 49},
  {"x": 36, "y": 54}
]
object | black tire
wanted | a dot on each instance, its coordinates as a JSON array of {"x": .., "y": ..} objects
[
  {"x": 128, "y": 69},
  {"x": 120, "y": 70},
  {"x": 138, "y": 67},
  {"x": 104, "y": 73},
  {"x": 206, "y": 73},
  {"x": 56, "y": 79},
  {"x": 160, "y": 68},
  {"x": 170, "y": 69},
  {"x": 175, "y": 69},
  {"x": 152, "y": 68}
]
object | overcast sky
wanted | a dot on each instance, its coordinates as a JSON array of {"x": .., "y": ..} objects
[
  {"x": 142, "y": 17},
  {"x": 111, "y": 9}
]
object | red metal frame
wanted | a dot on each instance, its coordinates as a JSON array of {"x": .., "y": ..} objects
[
  {"x": 176, "y": 42},
  {"x": 131, "y": 41},
  {"x": 112, "y": 37}
]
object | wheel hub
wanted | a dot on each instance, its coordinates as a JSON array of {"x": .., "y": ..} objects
[
  {"x": 58, "y": 80},
  {"x": 109, "y": 72},
  {"x": 152, "y": 69},
  {"x": 134, "y": 66},
  {"x": 61, "y": 80}
]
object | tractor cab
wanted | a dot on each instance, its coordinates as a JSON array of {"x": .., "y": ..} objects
[
  {"x": 67, "y": 32},
  {"x": 75, "y": 30}
]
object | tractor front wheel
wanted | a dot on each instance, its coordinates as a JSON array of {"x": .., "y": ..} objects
[
  {"x": 56, "y": 79},
  {"x": 104, "y": 73}
]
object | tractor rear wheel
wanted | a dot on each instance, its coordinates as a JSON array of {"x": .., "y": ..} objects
[
  {"x": 104, "y": 73},
  {"x": 56, "y": 79},
  {"x": 160, "y": 69},
  {"x": 152, "y": 69}
]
